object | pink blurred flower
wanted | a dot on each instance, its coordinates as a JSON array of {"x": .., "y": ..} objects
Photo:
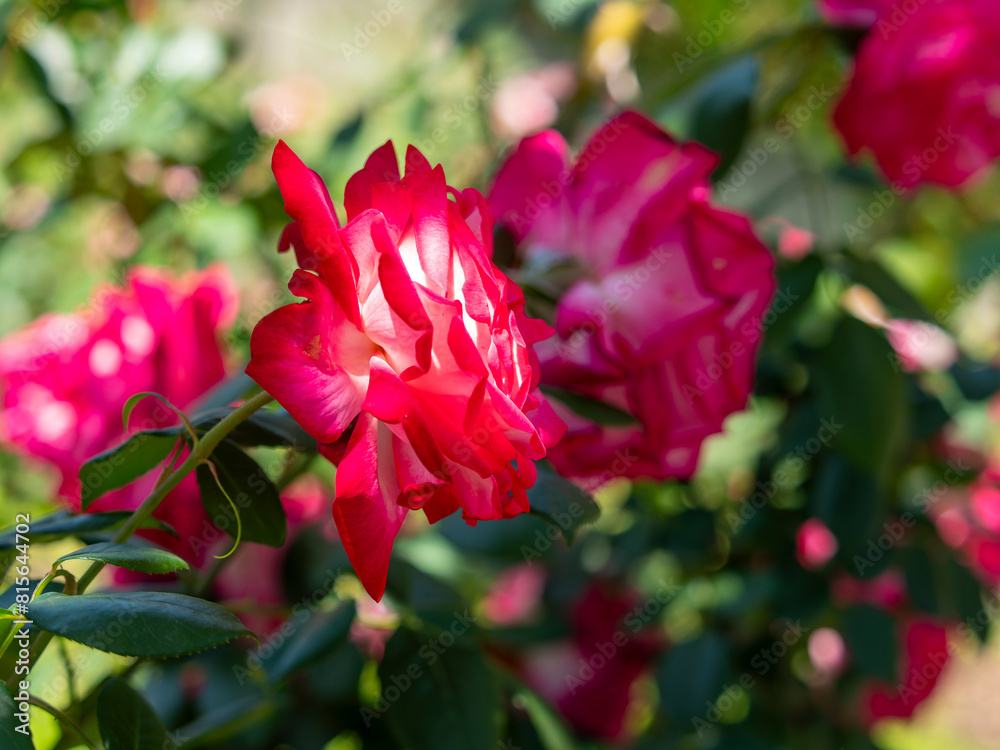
[
  {"x": 986, "y": 506},
  {"x": 886, "y": 591},
  {"x": 515, "y": 595},
  {"x": 827, "y": 652},
  {"x": 591, "y": 679},
  {"x": 968, "y": 520},
  {"x": 925, "y": 653},
  {"x": 815, "y": 545},
  {"x": 529, "y": 102},
  {"x": 795, "y": 243},
  {"x": 286, "y": 106},
  {"x": 921, "y": 345},
  {"x": 924, "y": 95},
  {"x": 663, "y": 322},
  {"x": 65, "y": 378},
  {"x": 373, "y": 627},
  {"x": 411, "y": 332}
]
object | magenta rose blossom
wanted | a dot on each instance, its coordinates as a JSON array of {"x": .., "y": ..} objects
[
  {"x": 815, "y": 544},
  {"x": 65, "y": 378},
  {"x": 925, "y": 95},
  {"x": 968, "y": 520},
  {"x": 925, "y": 652},
  {"x": 663, "y": 321},
  {"x": 593, "y": 688},
  {"x": 412, "y": 335}
]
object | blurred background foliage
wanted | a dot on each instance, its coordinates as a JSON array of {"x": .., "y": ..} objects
[{"x": 141, "y": 132}]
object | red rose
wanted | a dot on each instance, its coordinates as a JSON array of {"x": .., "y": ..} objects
[{"x": 410, "y": 330}]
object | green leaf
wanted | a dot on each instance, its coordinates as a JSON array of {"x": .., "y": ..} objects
[
  {"x": 130, "y": 556},
  {"x": 137, "y": 623},
  {"x": 322, "y": 633},
  {"x": 125, "y": 463},
  {"x": 860, "y": 387},
  {"x": 871, "y": 635},
  {"x": 976, "y": 380},
  {"x": 929, "y": 413},
  {"x": 919, "y": 571},
  {"x": 455, "y": 679},
  {"x": 591, "y": 408},
  {"x": 348, "y": 134},
  {"x": 962, "y": 596},
  {"x": 274, "y": 427},
  {"x": 62, "y": 524},
  {"x": 551, "y": 729},
  {"x": 691, "y": 675},
  {"x": 127, "y": 722},
  {"x": 796, "y": 285},
  {"x": 561, "y": 503},
  {"x": 7, "y": 557},
  {"x": 222, "y": 723},
  {"x": 850, "y": 503},
  {"x": 12, "y": 739},
  {"x": 134, "y": 401},
  {"x": 261, "y": 513},
  {"x": 721, "y": 117}
]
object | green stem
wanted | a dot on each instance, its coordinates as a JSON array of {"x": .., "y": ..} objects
[
  {"x": 10, "y": 636},
  {"x": 208, "y": 442},
  {"x": 63, "y": 719},
  {"x": 69, "y": 669}
]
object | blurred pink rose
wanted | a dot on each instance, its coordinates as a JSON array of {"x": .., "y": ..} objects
[
  {"x": 925, "y": 94},
  {"x": 921, "y": 345},
  {"x": 373, "y": 626},
  {"x": 590, "y": 680},
  {"x": 815, "y": 545},
  {"x": 664, "y": 319},
  {"x": 795, "y": 243},
  {"x": 968, "y": 520},
  {"x": 515, "y": 595},
  {"x": 886, "y": 591},
  {"x": 527, "y": 103},
  {"x": 828, "y": 653},
  {"x": 925, "y": 653},
  {"x": 65, "y": 378}
]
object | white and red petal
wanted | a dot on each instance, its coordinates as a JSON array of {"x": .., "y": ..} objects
[{"x": 312, "y": 359}]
